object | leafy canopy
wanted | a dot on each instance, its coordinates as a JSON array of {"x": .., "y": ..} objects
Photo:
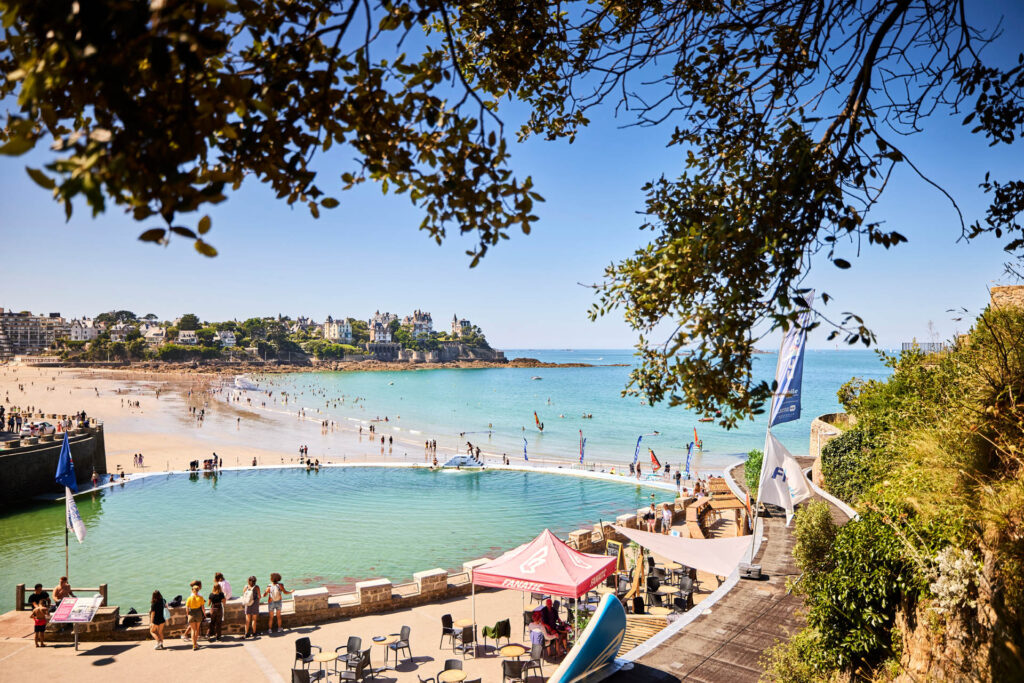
[{"x": 787, "y": 117}]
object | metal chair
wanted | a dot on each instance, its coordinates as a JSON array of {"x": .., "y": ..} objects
[
  {"x": 301, "y": 676},
  {"x": 527, "y": 620},
  {"x": 447, "y": 630},
  {"x": 535, "y": 661},
  {"x": 502, "y": 629},
  {"x": 512, "y": 671},
  {"x": 303, "y": 651},
  {"x": 638, "y": 605},
  {"x": 426, "y": 680},
  {"x": 402, "y": 644}
]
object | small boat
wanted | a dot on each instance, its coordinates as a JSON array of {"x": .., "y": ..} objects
[
  {"x": 706, "y": 419},
  {"x": 536, "y": 377}
]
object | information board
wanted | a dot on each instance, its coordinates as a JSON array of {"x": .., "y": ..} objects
[{"x": 77, "y": 610}]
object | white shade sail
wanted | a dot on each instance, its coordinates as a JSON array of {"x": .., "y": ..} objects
[{"x": 718, "y": 556}]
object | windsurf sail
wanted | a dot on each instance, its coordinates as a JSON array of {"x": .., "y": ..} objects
[
  {"x": 536, "y": 419},
  {"x": 654, "y": 460}
]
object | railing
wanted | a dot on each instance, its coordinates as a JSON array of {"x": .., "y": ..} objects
[
  {"x": 21, "y": 595},
  {"x": 926, "y": 347}
]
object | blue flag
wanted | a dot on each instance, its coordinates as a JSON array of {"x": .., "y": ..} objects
[
  {"x": 790, "y": 370},
  {"x": 525, "y": 457},
  {"x": 689, "y": 454},
  {"x": 66, "y": 467},
  {"x": 636, "y": 453}
]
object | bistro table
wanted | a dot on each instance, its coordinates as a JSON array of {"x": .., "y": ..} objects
[
  {"x": 510, "y": 651},
  {"x": 659, "y": 611},
  {"x": 667, "y": 590},
  {"x": 452, "y": 676},
  {"x": 385, "y": 641},
  {"x": 324, "y": 658},
  {"x": 604, "y": 590},
  {"x": 463, "y": 623}
]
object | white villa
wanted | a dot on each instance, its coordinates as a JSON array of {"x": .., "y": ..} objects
[
  {"x": 227, "y": 338},
  {"x": 119, "y": 332},
  {"x": 460, "y": 326},
  {"x": 84, "y": 330},
  {"x": 155, "y": 336},
  {"x": 420, "y": 323},
  {"x": 187, "y": 337},
  {"x": 338, "y": 331}
]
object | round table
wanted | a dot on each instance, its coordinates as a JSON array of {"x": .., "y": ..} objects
[
  {"x": 604, "y": 590},
  {"x": 323, "y": 658},
  {"x": 667, "y": 590},
  {"x": 452, "y": 676},
  {"x": 463, "y": 623},
  {"x": 659, "y": 611},
  {"x": 385, "y": 641},
  {"x": 673, "y": 565},
  {"x": 516, "y": 651}
]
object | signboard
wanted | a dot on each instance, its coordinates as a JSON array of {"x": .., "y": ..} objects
[
  {"x": 77, "y": 610},
  {"x": 614, "y": 548}
]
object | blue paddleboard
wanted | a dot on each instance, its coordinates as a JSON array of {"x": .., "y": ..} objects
[{"x": 597, "y": 645}]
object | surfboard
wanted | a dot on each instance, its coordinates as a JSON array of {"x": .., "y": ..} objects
[{"x": 597, "y": 645}]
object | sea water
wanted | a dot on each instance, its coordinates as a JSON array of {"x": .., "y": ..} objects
[
  {"x": 493, "y": 408},
  {"x": 333, "y": 527}
]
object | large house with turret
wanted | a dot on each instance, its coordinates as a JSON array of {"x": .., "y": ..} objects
[{"x": 338, "y": 331}]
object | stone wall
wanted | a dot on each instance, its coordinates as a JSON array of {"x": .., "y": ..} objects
[
  {"x": 824, "y": 428},
  {"x": 28, "y": 469},
  {"x": 1012, "y": 296}
]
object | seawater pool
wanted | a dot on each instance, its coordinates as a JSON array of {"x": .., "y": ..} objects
[{"x": 332, "y": 527}]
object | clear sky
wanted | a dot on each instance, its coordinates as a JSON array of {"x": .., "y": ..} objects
[{"x": 368, "y": 254}]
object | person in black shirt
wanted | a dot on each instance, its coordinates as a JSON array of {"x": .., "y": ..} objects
[
  {"x": 216, "y": 612},
  {"x": 39, "y": 596}
]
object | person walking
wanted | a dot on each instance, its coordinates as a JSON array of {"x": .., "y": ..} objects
[
  {"x": 216, "y": 612},
  {"x": 157, "y": 605},
  {"x": 275, "y": 595},
  {"x": 666, "y": 518},
  {"x": 194, "y": 606},
  {"x": 251, "y": 606}
]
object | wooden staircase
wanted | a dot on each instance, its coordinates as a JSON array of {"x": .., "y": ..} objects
[{"x": 639, "y": 629}]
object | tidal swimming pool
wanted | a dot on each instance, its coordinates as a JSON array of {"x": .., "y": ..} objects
[{"x": 331, "y": 527}]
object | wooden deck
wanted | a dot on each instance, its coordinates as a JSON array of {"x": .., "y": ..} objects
[
  {"x": 726, "y": 643},
  {"x": 639, "y": 629}
]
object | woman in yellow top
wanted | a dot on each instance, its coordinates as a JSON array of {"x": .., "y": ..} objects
[{"x": 194, "y": 606}]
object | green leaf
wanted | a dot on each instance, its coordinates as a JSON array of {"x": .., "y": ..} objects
[
  {"x": 17, "y": 146},
  {"x": 329, "y": 202},
  {"x": 205, "y": 249},
  {"x": 41, "y": 178},
  {"x": 153, "y": 235},
  {"x": 841, "y": 263},
  {"x": 184, "y": 232},
  {"x": 204, "y": 225}
]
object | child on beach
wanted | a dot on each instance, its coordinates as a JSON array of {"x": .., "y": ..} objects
[{"x": 40, "y": 615}]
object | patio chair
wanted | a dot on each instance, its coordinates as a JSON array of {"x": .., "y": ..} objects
[
  {"x": 450, "y": 664},
  {"x": 426, "y": 680},
  {"x": 361, "y": 670},
  {"x": 683, "y": 603},
  {"x": 527, "y": 620},
  {"x": 512, "y": 671},
  {"x": 502, "y": 629},
  {"x": 473, "y": 680},
  {"x": 660, "y": 574},
  {"x": 352, "y": 650},
  {"x": 303, "y": 651},
  {"x": 535, "y": 661},
  {"x": 447, "y": 630},
  {"x": 466, "y": 638},
  {"x": 402, "y": 644},
  {"x": 301, "y": 676},
  {"x": 686, "y": 585}
]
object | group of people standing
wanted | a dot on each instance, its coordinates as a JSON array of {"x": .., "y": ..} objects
[{"x": 212, "y": 608}]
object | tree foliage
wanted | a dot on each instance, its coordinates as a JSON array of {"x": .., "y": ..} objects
[{"x": 787, "y": 117}]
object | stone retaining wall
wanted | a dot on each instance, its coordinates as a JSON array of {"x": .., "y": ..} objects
[
  {"x": 26, "y": 469},
  {"x": 824, "y": 428}
]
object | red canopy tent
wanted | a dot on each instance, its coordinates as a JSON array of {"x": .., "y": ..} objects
[{"x": 544, "y": 565}]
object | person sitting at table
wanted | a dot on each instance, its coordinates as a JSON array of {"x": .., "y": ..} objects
[
  {"x": 552, "y": 638},
  {"x": 540, "y": 634}
]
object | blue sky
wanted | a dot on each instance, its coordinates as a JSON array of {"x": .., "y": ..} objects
[{"x": 368, "y": 254}]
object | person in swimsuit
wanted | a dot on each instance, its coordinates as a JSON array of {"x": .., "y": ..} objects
[{"x": 39, "y": 616}]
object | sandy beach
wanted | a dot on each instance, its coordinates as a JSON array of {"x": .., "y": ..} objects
[{"x": 236, "y": 425}]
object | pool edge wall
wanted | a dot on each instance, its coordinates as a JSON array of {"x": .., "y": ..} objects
[{"x": 29, "y": 471}]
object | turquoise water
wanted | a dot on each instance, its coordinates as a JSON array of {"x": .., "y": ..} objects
[
  {"x": 331, "y": 527},
  {"x": 494, "y": 406}
]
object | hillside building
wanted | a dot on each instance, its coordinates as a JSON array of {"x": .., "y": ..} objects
[
  {"x": 337, "y": 331},
  {"x": 27, "y": 334},
  {"x": 420, "y": 323},
  {"x": 460, "y": 326}
]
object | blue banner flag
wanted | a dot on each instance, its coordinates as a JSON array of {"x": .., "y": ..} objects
[
  {"x": 583, "y": 444},
  {"x": 789, "y": 370},
  {"x": 73, "y": 519},
  {"x": 689, "y": 454},
  {"x": 636, "y": 453},
  {"x": 66, "y": 467},
  {"x": 525, "y": 456}
]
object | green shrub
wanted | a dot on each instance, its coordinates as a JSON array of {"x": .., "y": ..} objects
[
  {"x": 815, "y": 534},
  {"x": 849, "y": 464},
  {"x": 752, "y": 471}
]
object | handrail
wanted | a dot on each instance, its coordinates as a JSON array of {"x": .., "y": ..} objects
[{"x": 20, "y": 594}]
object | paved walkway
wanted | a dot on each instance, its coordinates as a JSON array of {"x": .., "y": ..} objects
[{"x": 725, "y": 643}]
